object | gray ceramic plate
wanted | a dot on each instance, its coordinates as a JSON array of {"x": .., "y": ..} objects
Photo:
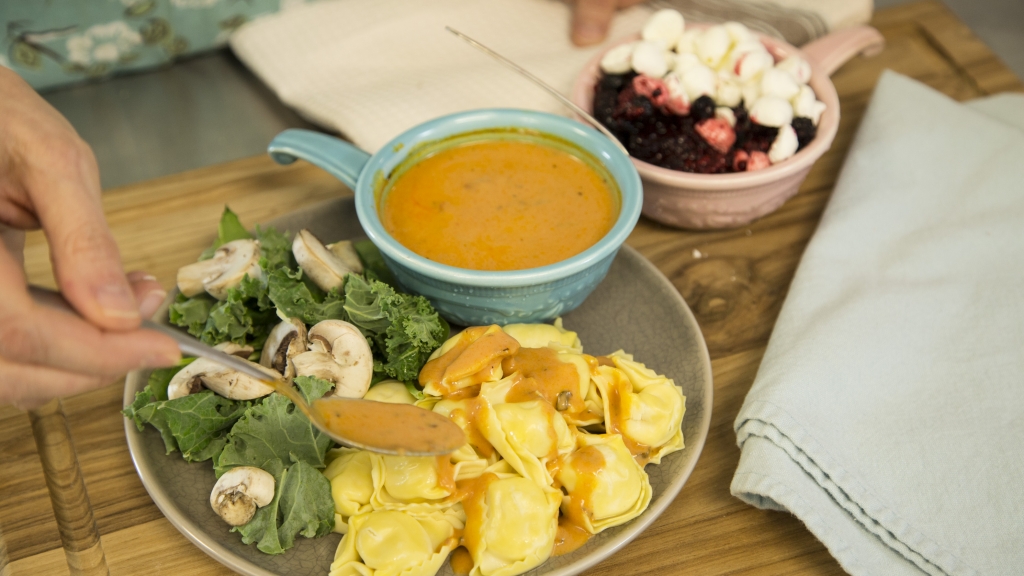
[{"x": 635, "y": 309}]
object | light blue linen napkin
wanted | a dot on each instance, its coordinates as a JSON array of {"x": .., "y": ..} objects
[{"x": 888, "y": 413}]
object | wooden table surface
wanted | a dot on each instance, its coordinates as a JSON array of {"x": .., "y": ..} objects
[{"x": 735, "y": 287}]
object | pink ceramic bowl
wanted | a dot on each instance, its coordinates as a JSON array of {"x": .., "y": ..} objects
[{"x": 688, "y": 200}]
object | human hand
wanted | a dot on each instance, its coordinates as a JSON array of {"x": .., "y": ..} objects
[
  {"x": 590, "y": 19},
  {"x": 49, "y": 179}
]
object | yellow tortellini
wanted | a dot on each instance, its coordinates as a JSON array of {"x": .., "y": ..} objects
[
  {"x": 606, "y": 486},
  {"x": 510, "y": 526},
  {"x": 392, "y": 542},
  {"x": 391, "y": 391},
  {"x": 542, "y": 335},
  {"x": 416, "y": 483},
  {"x": 551, "y": 433},
  {"x": 471, "y": 459},
  {"x": 528, "y": 435},
  {"x": 351, "y": 475},
  {"x": 648, "y": 407}
]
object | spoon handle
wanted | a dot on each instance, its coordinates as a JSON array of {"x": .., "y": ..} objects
[
  {"x": 558, "y": 95},
  {"x": 188, "y": 345}
]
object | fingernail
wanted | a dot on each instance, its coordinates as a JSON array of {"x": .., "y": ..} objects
[
  {"x": 151, "y": 303},
  {"x": 140, "y": 276},
  {"x": 117, "y": 301}
]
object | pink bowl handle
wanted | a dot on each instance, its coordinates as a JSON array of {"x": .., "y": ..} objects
[{"x": 830, "y": 52}]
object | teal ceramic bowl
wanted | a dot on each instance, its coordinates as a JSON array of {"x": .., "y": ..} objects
[{"x": 474, "y": 297}]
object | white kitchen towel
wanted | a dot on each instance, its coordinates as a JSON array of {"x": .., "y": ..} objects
[
  {"x": 370, "y": 69},
  {"x": 888, "y": 412}
]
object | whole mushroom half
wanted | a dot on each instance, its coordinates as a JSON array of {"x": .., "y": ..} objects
[
  {"x": 286, "y": 341},
  {"x": 238, "y": 493},
  {"x": 346, "y": 252},
  {"x": 338, "y": 353},
  {"x": 229, "y": 265},
  {"x": 326, "y": 267},
  {"x": 232, "y": 384}
]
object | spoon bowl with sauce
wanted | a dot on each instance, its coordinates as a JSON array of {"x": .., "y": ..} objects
[{"x": 497, "y": 216}]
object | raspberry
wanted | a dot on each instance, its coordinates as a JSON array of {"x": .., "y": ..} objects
[
  {"x": 739, "y": 160},
  {"x": 653, "y": 88},
  {"x": 758, "y": 160},
  {"x": 717, "y": 133},
  {"x": 632, "y": 105}
]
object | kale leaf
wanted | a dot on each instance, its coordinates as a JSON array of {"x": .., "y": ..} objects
[
  {"x": 228, "y": 230},
  {"x": 199, "y": 422},
  {"x": 273, "y": 430},
  {"x": 312, "y": 388},
  {"x": 403, "y": 329},
  {"x": 374, "y": 267},
  {"x": 195, "y": 424},
  {"x": 296, "y": 297},
  {"x": 302, "y": 504}
]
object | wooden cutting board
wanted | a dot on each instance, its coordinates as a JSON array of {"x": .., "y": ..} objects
[{"x": 735, "y": 282}]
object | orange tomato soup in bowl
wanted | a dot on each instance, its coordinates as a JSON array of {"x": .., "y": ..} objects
[{"x": 502, "y": 199}]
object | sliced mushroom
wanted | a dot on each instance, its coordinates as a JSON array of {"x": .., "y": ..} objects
[
  {"x": 233, "y": 349},
  {"x": 320, "y": 365},
  {"x": 321, "y": 265},
  {"x": 286, "y": 340},
  {"x": 350, "y": 350},
  {"x": 229, "y": 265},
  {"x": 238, "y": 493},
  {"x": 229, "y": 383},
  {"x": 346, "y": 252}
]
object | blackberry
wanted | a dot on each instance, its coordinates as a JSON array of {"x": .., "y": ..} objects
[
  {"x": 702, "y": 108},
  {"x": 805, "y": 131},
  {"x": 615, "y": 82},
  {"x": 742, "y": 127},
  {"x": 760, "y": 138},
  {"x": 670, "y": 140}
]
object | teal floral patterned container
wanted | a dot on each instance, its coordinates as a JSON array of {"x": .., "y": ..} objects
[{"x": 54, "y": 42}]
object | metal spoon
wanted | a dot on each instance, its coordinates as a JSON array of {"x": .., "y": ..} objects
[
  {"x": 401, "y": 429},
  {"x": 558, "y": 95}
]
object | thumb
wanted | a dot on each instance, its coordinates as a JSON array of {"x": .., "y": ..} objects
[
  {"x": 590, "y": 20},
  {"x": 14, "y": 241}
]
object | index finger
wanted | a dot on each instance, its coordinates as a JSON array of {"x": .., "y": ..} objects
[
  {"x": 63, "y": 183},
  {"x": 35, "y": 334}
]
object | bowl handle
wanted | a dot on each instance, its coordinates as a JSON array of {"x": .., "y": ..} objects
[
  {"x": 833, "y": 50},
  {"x": 340, "y": 159}
]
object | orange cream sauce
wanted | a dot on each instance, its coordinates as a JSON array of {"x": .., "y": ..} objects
[
  {"x": 474, "y": 356},
  {"x": 587, "y": 462},
  {"x": 618, "y": 403},
  {"x": 544, "y": 378},
  {"x": 499, "y": 204},
  {"x": 461, "y": 561},
  {"x": 568, "y": 537},
  {"x": 473, "y": 493},
  {"x": 473, "y": 435}
]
